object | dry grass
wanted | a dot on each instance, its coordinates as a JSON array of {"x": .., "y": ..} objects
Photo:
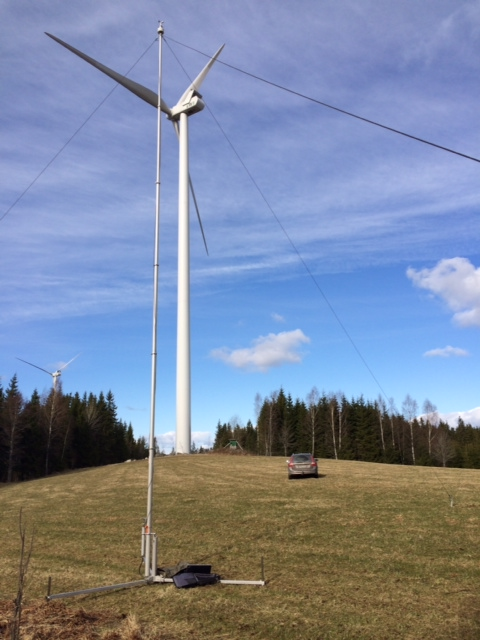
[
  {"x": 366, "y": 551},
  {"x": 57, "y": 621}
]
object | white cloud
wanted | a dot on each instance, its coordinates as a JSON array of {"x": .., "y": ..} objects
[
  {"x": 277, "y": 317},
  {"x": 166, "y": 441},
  {"x": 469, "y": 417},
  {"x": 457, "y": 282},
  {"x": 446, "y": 352},
  {"x": 459, "y": 26},
  {"x": 266, "y": 352}
]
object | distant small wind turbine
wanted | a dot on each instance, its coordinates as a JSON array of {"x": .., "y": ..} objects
[{"x": 55, "y": 374}]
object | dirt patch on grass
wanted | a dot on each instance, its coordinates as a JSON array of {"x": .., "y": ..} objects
[{"x": 55, "y": 621}]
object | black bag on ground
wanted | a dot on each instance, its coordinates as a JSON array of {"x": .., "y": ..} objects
[
  {"x": 183, "y": 567},
  {"x": 188, "y": 580}
]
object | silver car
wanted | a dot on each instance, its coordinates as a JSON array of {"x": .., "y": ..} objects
[{"x": 302, "y": 464}]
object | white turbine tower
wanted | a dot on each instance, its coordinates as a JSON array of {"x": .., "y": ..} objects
[
  {"x": 189, "y": 104},
  {"x": 55, "y": 374}
]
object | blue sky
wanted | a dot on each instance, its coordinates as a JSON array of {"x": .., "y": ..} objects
[{"x": 386, "y": 228}]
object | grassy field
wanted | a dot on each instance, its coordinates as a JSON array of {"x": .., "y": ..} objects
[{"x": 365, "y": 551}]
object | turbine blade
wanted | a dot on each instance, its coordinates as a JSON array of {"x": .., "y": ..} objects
[
  {"x": 177, "y": 131},
  {"x": 196, "y": 84},
  {"x": 34, "y": 365},
  {"x": 198, "y": 213},
  {"x": 66, "y": 365},
  {"x": 139, "y": 90}
]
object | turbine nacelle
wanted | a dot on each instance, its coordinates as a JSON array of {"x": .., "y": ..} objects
[{"x": 193, "y": 104}]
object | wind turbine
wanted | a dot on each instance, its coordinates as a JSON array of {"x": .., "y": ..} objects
[
  {"x": 189, "y": 103},
  {"x": 55, "y": 374}
]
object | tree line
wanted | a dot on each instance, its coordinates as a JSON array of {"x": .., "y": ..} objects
[
  {"x": 330, "y": 426},
  {"x": 56, "y": 432}
]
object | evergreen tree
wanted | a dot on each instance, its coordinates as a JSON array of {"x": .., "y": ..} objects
[
  {"x": 130, "y": 442},
  {"x": 12, "y": 426},
  {"x": 3, "y": 440},
  {"x": 268, "y": 424},
  {"x": 32, "y": 461},
  {"x": 250, "y": 439},
  {"x": 81, "y": 451},
  {"x": 141, "y": 449},
  {"x": 363, "y": 417},
  {"x": 222, "y": 436},
  {"x": 286, "y": 426}
]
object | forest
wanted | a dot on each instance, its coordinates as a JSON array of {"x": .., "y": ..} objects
[
  {"x": 331, "y": 426},
  {"x": 55, "y": 433}
]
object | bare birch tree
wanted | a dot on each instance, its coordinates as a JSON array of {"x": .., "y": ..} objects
[
  {"x": 313, "y": 399},
  {"x": 257, "y": 408},
  {"x": 391, "y": 413},
  {"x": 56, "y": 422},
  {"x": 25, "y": 555},
  {"x": 431, "y": 419},
  {"x": 332, "y": 405},
  {"x": 341, "y": 415},
  {"x": 270, "y": 426},
  {"x": 286, "y": 438},
  {"x": 410, "y": 410},
  {"x": 443, "y": 448},
  {"x": 92, "y": 413},
  {"x": 381, "y": 408}
]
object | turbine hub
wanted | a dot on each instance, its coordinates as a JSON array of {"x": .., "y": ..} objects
[{"x": 193, "y": 104}]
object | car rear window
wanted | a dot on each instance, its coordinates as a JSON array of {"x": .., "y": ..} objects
[{"x": 302, "y": 457}]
